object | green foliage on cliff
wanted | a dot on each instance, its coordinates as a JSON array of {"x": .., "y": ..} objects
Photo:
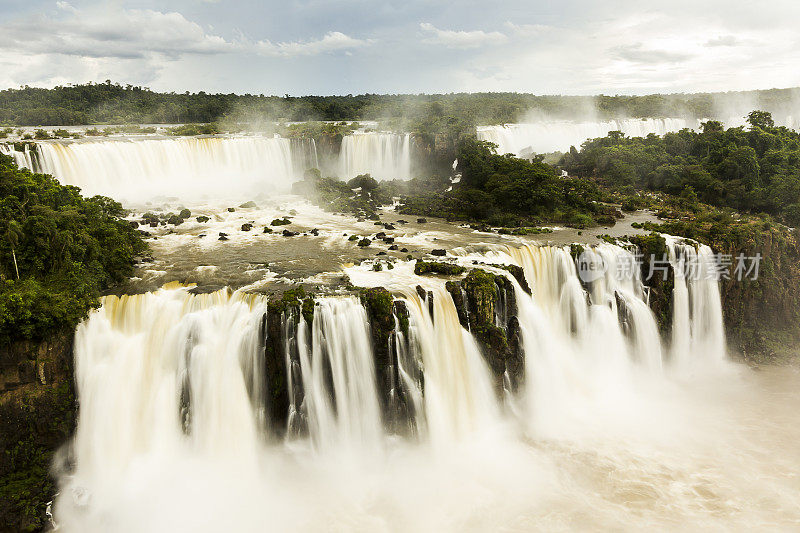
[
  {"x": 507, "y": 191},
  {"x": 58, "y": 251},
  {"x": 753, "y": 170}
]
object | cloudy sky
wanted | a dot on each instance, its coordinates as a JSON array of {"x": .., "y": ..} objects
[{"x": 357, "y": 46}]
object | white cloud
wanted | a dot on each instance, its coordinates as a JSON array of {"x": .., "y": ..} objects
[
  {"x": 72, "y": 45},
  {"x": 111, "y": 33},
  {"x": 331, "y": 42},
  {"x": 462, "y": 39}
]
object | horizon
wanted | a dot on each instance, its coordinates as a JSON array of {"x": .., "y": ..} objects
[{"x": 354, "y": 95}]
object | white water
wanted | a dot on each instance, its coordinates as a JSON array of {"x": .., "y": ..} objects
[
  {"x": 607, "y": 432},
  {"x": 697, "y": 323},
  {"x": 188, "y": 167},
  {"x": 208, "y": 167},
  {"x": 385, "y": 156}
]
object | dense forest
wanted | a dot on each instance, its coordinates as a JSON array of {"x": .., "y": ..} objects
[
  {"x": 754, "y": 170},
  {"x": 57, "y": 252},
  {"x": 110, "y": 103}
]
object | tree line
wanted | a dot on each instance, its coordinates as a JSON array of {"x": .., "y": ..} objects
[{"x": 112, "y": 103}]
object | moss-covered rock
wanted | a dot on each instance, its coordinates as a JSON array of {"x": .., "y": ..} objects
[
  {"x": 654, "y": 251},
  {"x": 485, "y": 304},
  {"x": 422, "y": 268}
]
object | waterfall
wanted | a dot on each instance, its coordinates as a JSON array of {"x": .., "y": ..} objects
[
  {"x": 177, "y": 384},
  {"x": 525, "y": 139},
  {"x": 338, "y": 365},
  {"x": 168, "y": 371},
  {"x": 385, "y": 156},
  {"x": 697, "y": 325},
  {"x": 24, "y": 158},
  {"x": 187, "y": 167}
]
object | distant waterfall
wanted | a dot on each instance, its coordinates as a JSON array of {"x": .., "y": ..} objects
[
  {"x": 186, "y": 167},
  {"x": 525, "y": 139},
  {"x": 385, "y": 156}
]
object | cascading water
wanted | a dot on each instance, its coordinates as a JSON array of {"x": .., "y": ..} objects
[
  {"x": 385, "y": 156},
  {"x": 185, "y": 167},
  {"x": 175, "y": 432},
  {"x": 697, "y": 325}
]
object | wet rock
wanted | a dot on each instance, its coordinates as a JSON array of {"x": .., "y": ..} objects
[
  {"x": 436, "y": 267},
  {"x": 175, "y": 220},
  {"x": 280, "y": 222},
  {"x": 393, "y": 247},
  {"x": 247, "y": 227},
  {"x": 388, "y": 240},
  {"x": 231, "y": 210},
  {"x": 389, "y": 226},
  {"x": 381, "y": 253},
  {"x": 422, "y": 221},
  {"x": 404, "y": 250},
  {"x": 287, "y": 233},
  {"x": 202, "y": 219},
  {"x": 439, "y": 252},
  {"x": 519, "y": 275},
  {"x": 185, "y": 213},
  {"x": 248, "y": 205},
  {"x": 401, "y": 221},
  {"x": 267, "y": 229},
  {"x": 352, "y": 238},
  {"x": 133, "y": 224},
  {"x": 223, "y": 236},
  {"x": 363, "y": 243},
  {"x": 380, "y": 235},
  {"x": 314, "y": 232}
]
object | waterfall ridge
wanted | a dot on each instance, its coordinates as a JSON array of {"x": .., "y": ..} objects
[{"x": 382, "y": 155}]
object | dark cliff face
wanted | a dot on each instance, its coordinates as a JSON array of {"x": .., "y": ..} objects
[
  {"x": 37, "y": 417},
  {"x": 762, "y": 316}
]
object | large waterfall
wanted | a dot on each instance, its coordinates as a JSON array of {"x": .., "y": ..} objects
[
  {"x": 178, "y": 429},
  {"x": 186, "y": 167},
  {"x": 191, "y": 168},
  {"x": 383, "y": 155}
]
